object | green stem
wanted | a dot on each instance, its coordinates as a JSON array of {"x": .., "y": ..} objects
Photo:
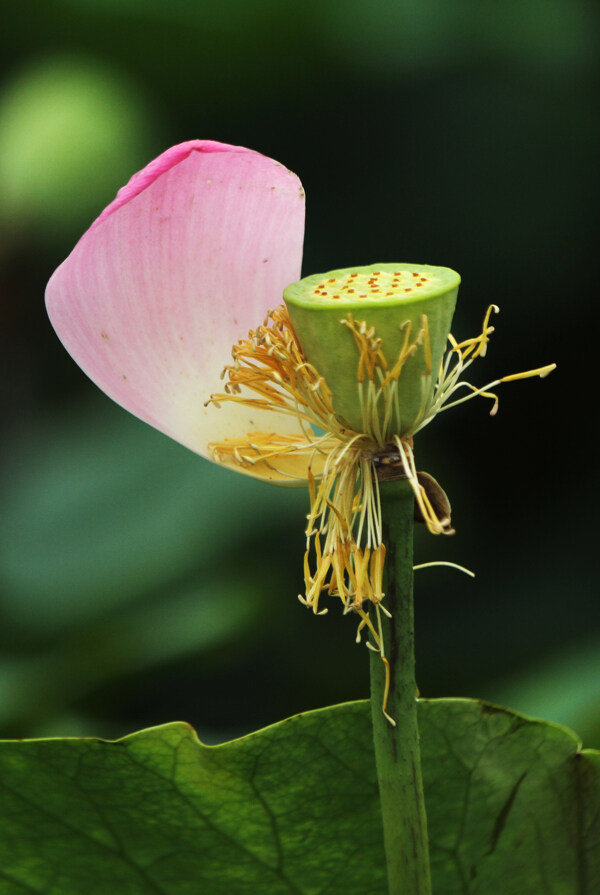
[{"x": 397, "y": 751}]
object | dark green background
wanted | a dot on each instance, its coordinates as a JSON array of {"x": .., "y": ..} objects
[{"x": 140, "y": 584}]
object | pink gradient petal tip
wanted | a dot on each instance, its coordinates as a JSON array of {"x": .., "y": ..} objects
[{"x": 189, "y": 256}]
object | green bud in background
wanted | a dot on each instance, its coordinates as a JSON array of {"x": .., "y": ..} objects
[
  {"x": 403, "y": 312},
  {"x": 71, "y": 131}
]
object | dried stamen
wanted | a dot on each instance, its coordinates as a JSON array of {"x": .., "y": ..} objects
[{"x": 345, "y": 554}]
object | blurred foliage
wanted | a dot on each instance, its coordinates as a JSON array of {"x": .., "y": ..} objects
[
  {"x": 556, "y": 38},
  {"x": 139, "y": 583},
  {"x": 66, "y": 126}
]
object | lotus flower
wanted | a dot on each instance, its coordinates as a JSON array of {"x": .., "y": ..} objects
[{"x": 189, "y": 258}]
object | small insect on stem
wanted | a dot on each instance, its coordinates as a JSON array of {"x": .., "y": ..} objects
[{"x": 388, "y": 464}]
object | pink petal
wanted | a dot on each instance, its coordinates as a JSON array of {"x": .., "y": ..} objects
[{"x": 189, "y": 256}]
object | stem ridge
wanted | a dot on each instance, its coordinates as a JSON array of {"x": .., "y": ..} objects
[{"x": 397, "y": 752}]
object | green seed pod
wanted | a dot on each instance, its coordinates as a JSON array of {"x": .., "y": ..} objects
[{"x": 408, "y": 307}]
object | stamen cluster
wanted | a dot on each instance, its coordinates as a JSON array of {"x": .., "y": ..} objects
[{"x": 344, "y": 550}]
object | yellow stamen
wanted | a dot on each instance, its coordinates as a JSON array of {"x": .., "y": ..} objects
[
  {"x": 441, "y": 562},
  {"x": 542, "y": 372},
  {"x": 345, "y": 554},
  {"x": 459, "y": 357}
]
